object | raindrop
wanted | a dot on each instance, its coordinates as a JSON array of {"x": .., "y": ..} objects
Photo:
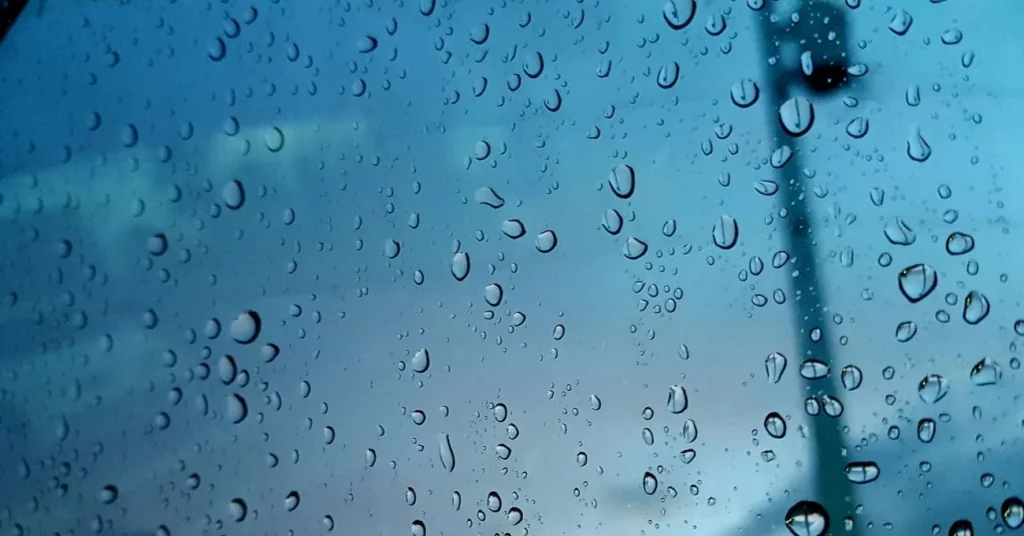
[
  {"x": 677, "y": 399},
  {"x": 392, "y": 248},
  {"x": 157, "y": 244},
  {"x": 445, "y": 452},
  {"x": 460, "y": 266},
  {"x": 774, "y": 366},
  {"x": 291, "y": 501},
  {"x": 775, "y": 425},
  {"x": 725, "y": 232},
  {"x": 410, "y": 496},
  {"x": 917, "y": 148},
  {"x": 899, "y": 233},
  {"x": 961, "y": 527},
  {"x": 689, "y": 431},
  {"x": 612, "y": 221},
  {"x": 906, "y": 331},
  {"x": 807, "y": 518},
  {"x": 418, "y": 528},
  {"x": 487, "y": 196},
  {"x": 679, "y": 14},
  {"x": 959, "y": 243},
  {"x": 237, "y": 409},
  {"x": 862, "y": 472},
  {"x": 634, "y": 248},
  {"x": 371, "y": 457},
  {"x": 237, "y": 508},
  {"x": 796, "y": 116},
  {"x": 233, "y": 195},
  {"x": 622, "y": 180},
  {"x": 766, "y": 187},
  {"x": 514, "y": 516},
  {"x": 668, "y": 75},
  {"x": 513, "y": 228},
  {"x": 246, "y": 327},
  {"x": 650, "y": 483},
  {"x": 814, "y": 369},
  {"x": 420, "y": 361},
  {"x": 745, "y": 93},
  {"x": 500, "y": 412},
  {"x": 901, "y": 22},
  {"x": 595, "y": 403},
  {"x": 926, "y": 430},
  {"x": 366, "y": 44},
  {"x": 546, "y": 241},
  {"x": 274, "y": 139},
  {"x": 976, "y": 307},
  {"x": 493, "y": 294},
  {"x": 986, "y": 372},
  {"x": 851, "y": 377},
  {"x": 108, "y": 494},
  {"x": 1013, "y": 513},
  {"x": 917, "y": 282},
  {"x": 493, "y": 501},
  {"x": 932, "y": 388},
  {"x": 857, "y": 127},
  {"x": 581, "y": 459}
]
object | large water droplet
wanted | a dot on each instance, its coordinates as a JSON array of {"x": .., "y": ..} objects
[
  {"x": 488, "y": 197},
  {"x": 959, "y": 243},
  {"x": 901, "y": 22},
  {"x": 246, "y": 328},
  {"x": 926, "y": 430},
  {"x": 725, "y": 232},
  {"x": 976, "y": 307},
  {"x": 650, "y": 483},
  {"x": 677, "y": 399},
  {"x": 745, "y": 93},
  {"x": 917, "y": 148},
  {"x": 460, "y": 266},
  {"x": 622, "y": 180},
  {"x": 898, "y": 233},
  {"x": 796, "y": 116},
  {"x": 445, "y": 452},
  {"x": 237, "y": 409},
  {"x": 420, "y": 361},
  {"x": 1013, "y": 513},
  {"x": 233, "y": 195},
  {"x": 932, "y": 388},
  {"x": 807, "y": 518},
  {"x": 986, "y": 372},
  {"x": 513, "y": 228},
  {"x": 546, "y": 241},
  {"x": 634, "y": 248},
  {"x": 917, "y": 282},
  {"x": 668, "y": 75},
  {"x": 862, "y": 472},
  {"x": 679, "y": 14},
  {"x": 514, "y": 516},
  {"x": 851, "y": 377},
  {"x": 237, "y": 509},
  {"x": 612, "y": 221},
  {"x": 775, "y": 425},
  {"x": 961, "y": 527},
  {"x": 774, "y": 366},
  {"x": 291, "y": 501},
  {"x": 493, "y": 294}
]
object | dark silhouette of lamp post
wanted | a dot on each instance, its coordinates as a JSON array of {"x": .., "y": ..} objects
[{"x": 819, "y": 34}]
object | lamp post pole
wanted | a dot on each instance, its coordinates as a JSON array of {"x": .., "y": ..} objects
[{"x": 831, "y": 488}]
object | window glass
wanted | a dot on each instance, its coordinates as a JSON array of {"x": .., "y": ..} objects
[{"x": 510, "y": 267}]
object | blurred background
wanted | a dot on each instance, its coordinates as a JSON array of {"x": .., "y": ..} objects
[{"x": 510, "y": 267}]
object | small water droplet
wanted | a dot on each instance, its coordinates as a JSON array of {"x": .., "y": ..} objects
[
  {"x": 932, "y": 388},
  {"x": 862, "y": 472}
]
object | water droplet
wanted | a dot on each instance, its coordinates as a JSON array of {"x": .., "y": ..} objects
[
  {"x": 418, "y": 527},
  {"x": 366, "y": 44},
  {"x": 546, "y": 241},
  {"x": 961, "y": 527},
  {"x": 1013, "y": 513},
  {"x": 391, "y": 248},
  {"x": 503, "y": 451},
  {"x": 291, "y": 501},
  {"x": 581, "y": 459},
  {"x": 371, "y": 457},
  {"x": 814, "y": 369},
  {"x": 493, "y": 294},
  {"x": 513, "y": 228},
  {"x": 986, "y": 372},
  {"x": 906, "y": 331},
  {"x": 648, "y": 436},
  {"x": 796, "y": 116},
  {"x": 634, "y": 248},
  {"x": 157, "y": 244},
  {"x": 650, "y": 483},
  {"x": 917, "y": 282},
  {"x": 445, "y": 452},
  {"x": 679, "y": 14},
  {"x": 976, "y": 307},
  {"x": 237, "y": 509},
  {"x": 898, "y": 233},
  {"x": 668, "y": 75},
  {"x": 926, "y": 430},
  {"x": 677, "y": 399},
  {"x": 420, "y": 361},
  {"x": 514, "y": 516},
  {"x": 725, "y": 232},
  {"x": 807, "y": 518},
  {"x": 460, "y": 266},
  {"x": 493, "y": 501},
  {"x": 766, "y": 187},
  {"x": 857, "y": 127},
  {"x": 932, "y": 388},
  {"x": 410, "y": 496},
  {"x": 689, "y": 431},
  {"x": 622, "y": 180},
  {"x": 774, "y": 366},
  {"x": 917, "y": 148},
  {"x": 851, "y": 377},
  {"x": 745, "y": 93},
  {"x": 233, "y": 195},
  {"x": 775, "y": 425},
  {"x": 901, "y": 22},
  {"x": 237, "y": 409},
  {"x": 108, "y": 494},
  {"x": 862, "y": 472},
  {"x": 959, "y": 243},
  {"x": 274, "y": 139},
  {"x": 500, "y": 412},
  {"x": 246, "y": 328},
  {"x": 217, "y": 49},
  {"x": 612, "y": 221},
  {"x": 595, "y": 402},
  {"x": 687, "y": 455},
  {"x": 488, "y": 197}
]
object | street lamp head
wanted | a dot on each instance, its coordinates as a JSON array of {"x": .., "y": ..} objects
[{"x": 824, "y": 39}]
